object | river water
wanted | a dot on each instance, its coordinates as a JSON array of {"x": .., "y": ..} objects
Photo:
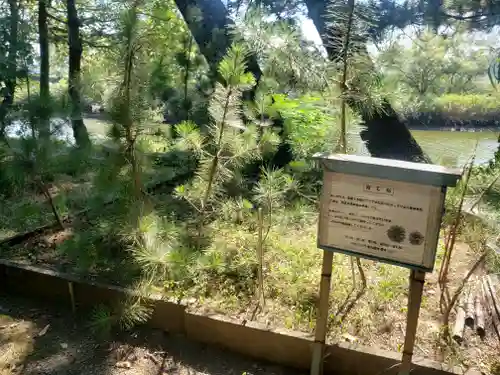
[{"x": 454, "y": 149}]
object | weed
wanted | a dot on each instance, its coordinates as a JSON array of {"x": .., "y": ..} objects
[{"x": 123, "y": 315}]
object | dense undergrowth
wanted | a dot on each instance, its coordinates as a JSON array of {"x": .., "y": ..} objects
[
  {"x": 194, "y": 234},
  {"x": 177, "y": 208}
]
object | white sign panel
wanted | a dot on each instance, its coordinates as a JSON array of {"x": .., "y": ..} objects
[{"x": 397, "y": 222}]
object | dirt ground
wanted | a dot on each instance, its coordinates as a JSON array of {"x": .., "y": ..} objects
[
  {"x": 376, "y": 319},
  {"x": 36, "y": 340}
]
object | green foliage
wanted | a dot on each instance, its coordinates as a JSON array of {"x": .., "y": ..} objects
[
  {"x": 468, "y": 104},
  {"x": 124, "y": 315},
  {"x": 312, "y": 124},
  {"x": 97, "y": 73},
  {"x": 272, "y": 188},
  {"x": 154, "y": 253},
  {"x": 494, "y": 72},
  {"x": 134, "y": 311},
  {"x": 227, "y": 143},
  {"x": 32, "y": 153},
  {"x": 432, "y": 65},
  {"x": 284, "y": 55},
  {"x": 313, "y": 127},
  {"x": 10, "y": 178},
  {"x": 186, "y": 236},
  {"x": 102, "y": 321}
]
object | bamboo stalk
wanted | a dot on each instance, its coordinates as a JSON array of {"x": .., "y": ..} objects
[
  {"x": 458, "y": 328},
  {"x": 459, "y": 290},
  {"x": 72, "y": 296},
  {"x": 470, "y": 303},
  {"x": 260, "y": 257},
  {"x": 494, "y": 298},
  {"x": 491, "y": 309},
  {"x": 495, "y": 305},
  {"x": 322, "y": 320},
  {"x": 479, "y": 312},
  {"x": 450, "y": 239},
  {"x": 417, "y": 280}
]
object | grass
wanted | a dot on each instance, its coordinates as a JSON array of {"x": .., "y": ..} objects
[
  {"x": 222, "y": 277},
  {"x": 97, "y": 127},
  {"x": 28, "y": 210},
  {"x": 219, "y": 274}
]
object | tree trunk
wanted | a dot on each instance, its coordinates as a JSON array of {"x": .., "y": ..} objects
[
  {"x": 211, "y": 32},
  {"x": 80, "y": 132},
  {"x": 213, "y": 39},
  {"x": 10, "y": 80},
  {"x": 43, "y": 40},
  {"x": 386, "y": 136}
]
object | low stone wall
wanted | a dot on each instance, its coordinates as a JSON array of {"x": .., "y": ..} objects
[{"x": 251, "y": 339}]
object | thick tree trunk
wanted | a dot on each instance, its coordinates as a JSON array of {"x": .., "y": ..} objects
[
  {"x": 80, "y": 132},
  {"x": 211, "y": 32},
  {"x": 386, "y": 136},
  {"x": 43, "y": 40},
  {"x": 10, "y": 81},
  {"x": 212, "y": 36}
]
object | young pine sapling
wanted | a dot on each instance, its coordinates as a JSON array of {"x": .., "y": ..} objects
[
  {"x": 228, "y": 144},
  {"x": 347, "y": 33},
  {"x": 129, "y": 106},
  {"x": 30, "y": 154}
]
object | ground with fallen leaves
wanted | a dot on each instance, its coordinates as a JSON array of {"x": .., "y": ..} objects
[{"x": 36, "y": 340}]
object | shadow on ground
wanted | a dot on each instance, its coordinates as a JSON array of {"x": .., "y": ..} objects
[{"x": 37, "y": 340}]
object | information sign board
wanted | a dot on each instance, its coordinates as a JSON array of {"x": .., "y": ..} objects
[
  {"x": 381, "y": 209},
  {"x": 393, "y": 221}
]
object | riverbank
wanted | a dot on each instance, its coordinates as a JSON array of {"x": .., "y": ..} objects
[{"x": 453, "y": 129}]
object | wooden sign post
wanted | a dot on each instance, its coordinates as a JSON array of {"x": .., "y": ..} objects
[{"x": 385, "y": 210}]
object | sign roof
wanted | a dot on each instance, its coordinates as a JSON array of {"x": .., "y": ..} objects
[{"x": 397, "y": 170}]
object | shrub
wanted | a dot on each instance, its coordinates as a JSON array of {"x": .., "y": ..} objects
[{"x": 467, "y": 104}]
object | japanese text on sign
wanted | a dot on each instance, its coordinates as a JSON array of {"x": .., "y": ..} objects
[{"x": 380, "y": 218}]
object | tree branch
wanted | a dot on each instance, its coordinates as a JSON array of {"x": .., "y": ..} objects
[{"x": 51, "y": 16}]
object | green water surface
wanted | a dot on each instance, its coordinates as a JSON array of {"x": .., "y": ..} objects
[{"x": 453, "y": 149}]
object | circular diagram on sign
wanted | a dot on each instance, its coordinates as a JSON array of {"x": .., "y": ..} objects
[
  {"x": 416, "y": 238},
  {"x": 396, "y": 233}
]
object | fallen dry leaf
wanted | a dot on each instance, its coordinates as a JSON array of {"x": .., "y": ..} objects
[
  {"x": 9, "y": 326},
  {"x": 349, "y": 338},
  {"x": 44, "y": 330},
  {"x": 151, "y": 357},
  {"x": 123, "y": 364}
]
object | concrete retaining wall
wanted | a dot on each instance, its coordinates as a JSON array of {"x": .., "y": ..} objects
[{"x": 252, "y": 339}]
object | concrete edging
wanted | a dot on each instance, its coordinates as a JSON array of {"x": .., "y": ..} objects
[{"x": 252, "y": 339}]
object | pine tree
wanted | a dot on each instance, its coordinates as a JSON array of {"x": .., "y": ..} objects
[
  {"x": 30, "y": 157},
  {"x": 122, "y": 174},
  {"x": 347, "y": 35},
  {"x": 227, "y": 144},
  {"x": 129, "y": 107},
  {"x": 284, "y": 55},
  {"x": 43, "y": 40},
  {"x": 10, "y": 57},
  {"x": 74, "y": 75}
]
